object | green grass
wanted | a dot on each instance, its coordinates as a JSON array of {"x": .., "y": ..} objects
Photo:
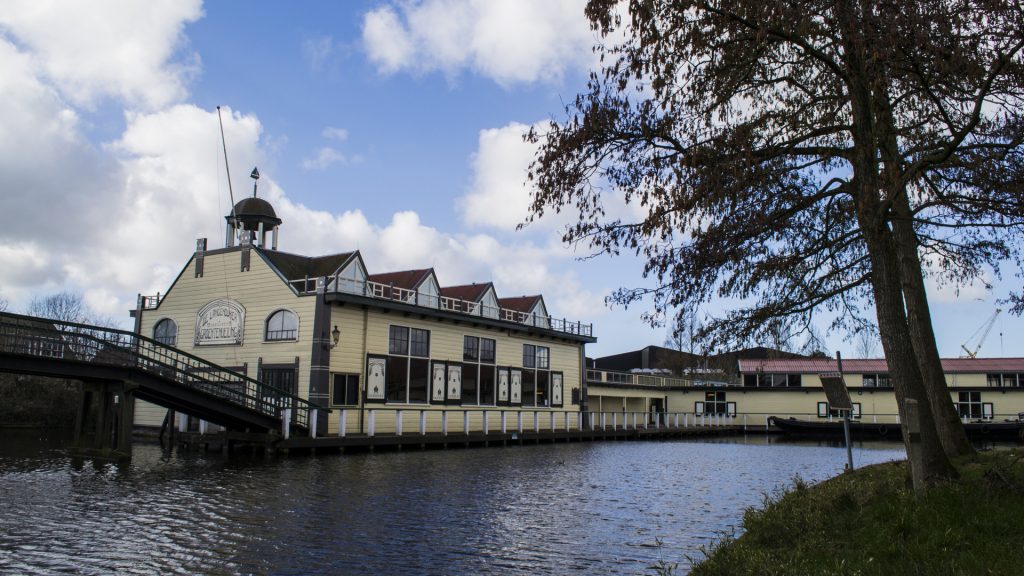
[{"x": 870, "y": 522}]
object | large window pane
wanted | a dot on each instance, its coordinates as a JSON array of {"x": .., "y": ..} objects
[
  {"x": 419, "y": 376},
  {"x": 715, "y": 403},
  {"x": 529, "y": 356},
  {"x": 470, "y": 348},
  {"x": 398, "y": 340},
  {"x": 543, "y": 357},
  {"x": 397, "y": 378},
  {"x": 543, "y": 388},
  {"x": 487, "y": 350},
  {"x": 469, "y": 384},
  {"x": 420, "y": 343},
  {"x": 345, "y": 390},
  {"x": 529, "y": 388},
  {"x": 487, "y": 380},
  {"x": 970, "y": 405}
]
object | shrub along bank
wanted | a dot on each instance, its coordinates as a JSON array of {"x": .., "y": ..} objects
[
  {"x": 30, "y": 401},
  {"x": 869, "y": 521}
]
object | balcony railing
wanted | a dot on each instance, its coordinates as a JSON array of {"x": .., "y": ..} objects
[
  {"x": 644, "y": 380},
  {"x": 338, "y": 284}
]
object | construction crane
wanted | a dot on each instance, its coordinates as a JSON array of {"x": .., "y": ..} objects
[{"x": 983, "y": 330}]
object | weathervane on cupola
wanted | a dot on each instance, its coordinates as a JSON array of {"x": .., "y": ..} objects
[
  {"x": 254, "y": 216},
  {"x": 255, "y": 175}
]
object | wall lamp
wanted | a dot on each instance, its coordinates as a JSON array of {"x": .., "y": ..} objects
[{"x": 335, "y": 336}]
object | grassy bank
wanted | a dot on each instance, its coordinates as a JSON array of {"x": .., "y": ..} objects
[{"x": 870, "y": 522}]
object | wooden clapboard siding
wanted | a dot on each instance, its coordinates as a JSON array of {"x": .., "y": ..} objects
[
  {"x": 967, "y": 380},
  {"x": 147, "y": 414},
  {"x": 260, "y": 291}
]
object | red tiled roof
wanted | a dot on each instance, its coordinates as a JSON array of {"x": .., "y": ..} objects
[
  {"x": 519, "y": 303},
  {"x": 867, "y": 366},
  {"x": 468, "y": 292},
  {"x": 953, "y": 365},
  {"x": 408, "y": 279}
]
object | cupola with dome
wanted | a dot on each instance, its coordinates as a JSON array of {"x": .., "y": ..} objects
[{"x": 252, "y": 218}]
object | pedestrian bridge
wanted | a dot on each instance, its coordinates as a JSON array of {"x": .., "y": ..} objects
[{"x": 117, "y": 366}]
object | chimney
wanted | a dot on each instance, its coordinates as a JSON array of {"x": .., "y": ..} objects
[
  {"x": 246, "y": 249},
  {"x": 200, "y": 252}
]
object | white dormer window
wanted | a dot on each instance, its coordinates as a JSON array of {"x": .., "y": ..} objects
[
  {"x": 539, "y": 316},
  {"x": 428, "y": 293},
  {"x": 352, "y": 279},
  {"x": 489, "y": 305}
]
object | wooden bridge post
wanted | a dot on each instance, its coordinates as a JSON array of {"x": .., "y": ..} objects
[
  {"x": 126, "y": 418},
  {"x": 103, "y": 422}
]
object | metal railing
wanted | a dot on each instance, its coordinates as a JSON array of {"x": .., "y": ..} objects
[
  {"x": 641, "y": 380},
  {"x": 372, "y": 289},
  {"x": 68, "y": 341},
  {"x": 412, "y": 421}
]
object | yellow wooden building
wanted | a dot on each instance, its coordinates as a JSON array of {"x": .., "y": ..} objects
[
  {"x": 982, "y": 389},
  {"x": 323, "y": 328}
]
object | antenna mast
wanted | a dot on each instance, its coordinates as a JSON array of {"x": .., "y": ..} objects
[{"x": 231, "y": 191}]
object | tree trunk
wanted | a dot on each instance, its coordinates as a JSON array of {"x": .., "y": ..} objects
[
  {"x": 932, "y": 465},
  {"x": 922, "y": 336},
  {"x": 899, "y": 352}
]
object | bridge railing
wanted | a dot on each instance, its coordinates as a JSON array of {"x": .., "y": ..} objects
[{"x": 69, "y": 341}]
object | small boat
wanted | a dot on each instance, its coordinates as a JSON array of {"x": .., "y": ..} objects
[{"x": 1009, "y": 430}]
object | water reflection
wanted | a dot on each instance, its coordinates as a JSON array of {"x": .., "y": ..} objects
[{"x": 552, "y": 509}]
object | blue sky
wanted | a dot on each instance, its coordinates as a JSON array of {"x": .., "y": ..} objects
[{"x": 392, "y": 127}]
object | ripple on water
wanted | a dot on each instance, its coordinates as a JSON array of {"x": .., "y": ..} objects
[{"x": 610, "y": 508}]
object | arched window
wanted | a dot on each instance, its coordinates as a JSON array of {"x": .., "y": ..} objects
[
  {"x": 166, "y": 332},
  {"x": 282, "y": 325}
]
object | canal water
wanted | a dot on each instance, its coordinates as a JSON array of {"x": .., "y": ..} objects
[{"x": 580, "y": 508}]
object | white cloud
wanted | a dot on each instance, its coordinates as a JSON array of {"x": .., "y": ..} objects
[
  {"x": 333, "y": 133},
  {"x": 942, "y": 292},
  {"x": 509, "y": 41},
  {"x": 164, "y": 187},
  {"x": 115, "y": 48},
  {"x": 950, "y": 294},
  {"x": 53, "y": 178},
  {"x": 324, "y": 157},
  {"x": 385, "y": 40},
  {"x": 317, "y": 51},
  {"x": 498, "y": 196},
  {"x": 109, "y": 221}
]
